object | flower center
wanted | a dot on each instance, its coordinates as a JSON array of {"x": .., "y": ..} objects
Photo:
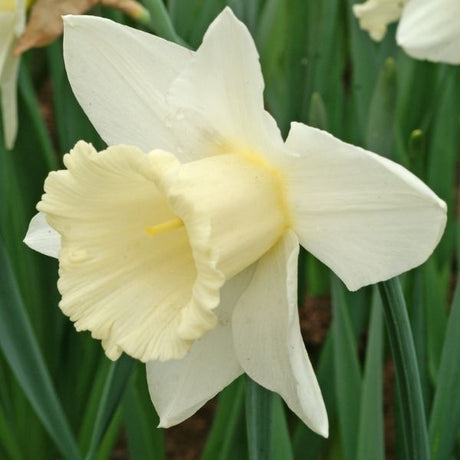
[{"x": 152, "y": 297}]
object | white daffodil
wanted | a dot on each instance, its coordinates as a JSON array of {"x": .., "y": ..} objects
[
  {"x": 186, "y": 257},
  {"x": 12, "y": 19},
  {"x": 428, "y": 29},
  {"x": 375, "y": 15}
]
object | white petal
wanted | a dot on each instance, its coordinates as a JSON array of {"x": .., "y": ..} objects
[
  {"x": 218, "y": 99},
  {"x": 366, "y": 217},
  {"x": 8, "y": 77},
  {"x": 430, "y": 29},
  {"x": 9, "y": 83},
  {"x": 7, "y": 19},
  {"x": 375, "y": 15},
  {"x": 267, "y": 335},
  {"x": 179, "y": 388},
  {"x": 20, "y": 17},
  {"x": 120, "y": 76},
  {"x": 42, "y": 238}
]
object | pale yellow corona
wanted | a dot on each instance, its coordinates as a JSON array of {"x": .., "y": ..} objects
[{"x": 212, "y": 218}]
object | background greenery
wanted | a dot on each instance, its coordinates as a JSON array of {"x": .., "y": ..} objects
[{"x": 59, "y": 395}]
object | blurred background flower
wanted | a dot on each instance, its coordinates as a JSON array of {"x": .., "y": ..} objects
[
  {"x": 427, "y": 29},
  {"x": 12, "y": 20}
]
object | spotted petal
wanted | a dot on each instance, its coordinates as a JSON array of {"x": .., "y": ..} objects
[
  {"x": 364, "y": 216},
  {"x": 267, "y": 336}
]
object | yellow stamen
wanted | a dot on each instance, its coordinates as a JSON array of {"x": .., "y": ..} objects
[{"x": 164, "y": 226}]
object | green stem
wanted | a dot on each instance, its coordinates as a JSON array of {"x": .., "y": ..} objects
[
  {"x": 407, "y": 375},
  {"x": 259, "y": 418}
]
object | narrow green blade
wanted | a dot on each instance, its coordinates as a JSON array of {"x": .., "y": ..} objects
[
  {"x": 380, "y": 126},
  {"x": 160, "y": 20},
  {"x": 445, "y": 414},
  {"x": 370, "y": 437},
  {"x": 280, "y": 440},
  {"x": 259, "y": 420},
  {"x": 347, "y": 372},
  {"x": 115, "y": 385},
  {"x": 225, "y": 428},
  {"x": 436, "y": 286},
  {"x": 19, "y": 345},
  {"x": 145, "y": 440},
  {"x": 407, "y": 376}
]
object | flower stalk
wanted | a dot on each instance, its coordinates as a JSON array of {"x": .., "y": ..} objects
[
  {"x": 259, "y": 418},
  {"x": 407, "y": 374}
]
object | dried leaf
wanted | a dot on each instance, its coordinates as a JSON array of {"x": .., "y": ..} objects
[{"x": 45, "y": 21}]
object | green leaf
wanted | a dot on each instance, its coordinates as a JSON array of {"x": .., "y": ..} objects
[
  {"x": 445, "y": 414},
  {"x": 9, "y": 441},
  {"x": 415, "y": 104},
  {"x": 115, "y": 385},
  {"x": 380, "y": 126},
  {"x": 259, "y": 420},
  {"x": 436, "y": 285},
  {"x": 347, "y": 372},
  {"x": 208, "y": 10},
  {"x": 419, "y": 326},
  {"x": 417, "y": 153},
  {"x": 317, "y": 115},
  {"x": 365, "y": 65},
  {"x": 370, "y": 438},
  {"x": 161, "y": 22},
  {"x": 110, "y": 438},
  {"x": 145, "y": 440},
  {"x": 20, "y": 348},
  {"x": 280, "y": 440},
  {"x": 444, "y": 151},
  {"x": 227, "y": 421},
  {"x": 326, "y": 63},
  {"x": 91, "y": 403},
  {"x": 296, "y": 58},
  {"x": 45, "y": 146},
  {"x": 407, "y": 376}
]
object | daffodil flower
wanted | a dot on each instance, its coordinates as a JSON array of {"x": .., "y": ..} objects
[
  {"x": 375, "y": 15},
  {"x": 428, "y": 29},
  {"x": 12, "y": 18},
  {"x": 185, "y": 257}
]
